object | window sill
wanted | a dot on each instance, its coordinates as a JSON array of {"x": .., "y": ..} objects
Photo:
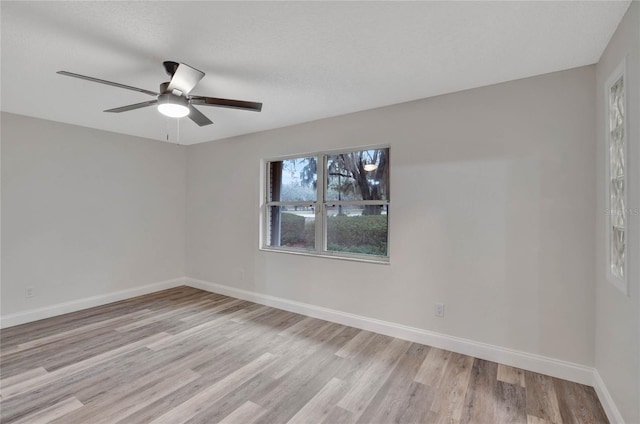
[{"x": 373, "y": 260}]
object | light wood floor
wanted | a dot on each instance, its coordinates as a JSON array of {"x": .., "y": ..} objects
[{"x": 184, "y": 355}]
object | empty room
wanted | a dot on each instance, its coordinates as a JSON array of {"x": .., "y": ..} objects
[{"x": 320, "y": 212}]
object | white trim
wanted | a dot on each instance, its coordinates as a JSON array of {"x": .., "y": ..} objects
[
  {"x": 619, "y": 72},
  {"x": 343, "y": 256},
  {"x": 18, "y": 318},
  {"x": 609, "y": 406},
  {"x": 528, "y": 361}
]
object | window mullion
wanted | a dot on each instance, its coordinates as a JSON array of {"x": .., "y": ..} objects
[
  {"x": 320, "y": 197},
  {"x": 356, "y": 202},
  {"x": 293, "y": 203}
]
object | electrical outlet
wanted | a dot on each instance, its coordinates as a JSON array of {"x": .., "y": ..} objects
[
  {"x": 439, "y": 309},
  {"x": 28, "y": 292},
  {"x": 241, "y": 274}
]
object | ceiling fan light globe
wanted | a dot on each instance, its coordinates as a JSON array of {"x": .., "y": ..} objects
[
  {"x": 173, "y": 106},
  {"x": 370, "y": 167},
  {"x": 173, "y": 110}
]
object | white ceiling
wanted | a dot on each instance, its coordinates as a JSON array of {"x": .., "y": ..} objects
[{"x": 303, "y": 60}]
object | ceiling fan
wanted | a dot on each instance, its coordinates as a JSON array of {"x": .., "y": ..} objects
[{"x": 174, "y": 99}]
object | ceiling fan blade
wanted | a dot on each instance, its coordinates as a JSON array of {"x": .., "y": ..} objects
[
  {"x": 185, "y": 78},
  {"x": 132, "y": 107},
  {"x": 101, "y": 81},
  {"x": 198, "y": 117},
  {"x": 235, "y": 104}
]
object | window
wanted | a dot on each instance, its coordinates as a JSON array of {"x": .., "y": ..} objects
[
  {"x": 330, "y": 204},
  {"x": 616, "y": 179}
]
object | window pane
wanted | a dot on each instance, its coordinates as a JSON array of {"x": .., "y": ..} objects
[
  {"x": 362, "y": 175},
  {"x": 358, "y": 229},
  {"x": 617, "y": 164},
  {"x": 293, "y": 180},
  {"x": 292, "y": 226}
]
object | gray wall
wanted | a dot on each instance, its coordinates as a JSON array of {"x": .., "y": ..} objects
[
  {"x": 86, "y": 212},
  {"x": 617, "y": 341},
  {"x": 492, "y": 213}
]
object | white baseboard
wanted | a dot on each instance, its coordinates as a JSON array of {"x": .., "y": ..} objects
[
  {"x": 18, "y": 318},
  {"x": 606, "y": 400},
  {"x": 528, "y": 361}
]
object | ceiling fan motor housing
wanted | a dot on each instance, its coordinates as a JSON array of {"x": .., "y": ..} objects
[{"x": 169, "y": 97}]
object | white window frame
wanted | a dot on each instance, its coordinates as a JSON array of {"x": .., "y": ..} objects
[
  {"x": 320, "y": 206},
  {"x": 620, "y": 72}
]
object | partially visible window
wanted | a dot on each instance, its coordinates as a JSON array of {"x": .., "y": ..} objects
[
  {"x": 616, "y": 179},
  {"x": 357, "y": 202},
  {"x": 332, "y": 204},
  {"x": 292, "y": 195}
]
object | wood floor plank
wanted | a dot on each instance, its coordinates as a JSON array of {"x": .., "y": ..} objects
[
  {"x": 14, "y": 335},
  {"x": 590, "y": 401},
  {"x": 133, "y": 367},
  {"x": 53, "y": 412},
  {"x": 448, "y": 403},
  {"x": 480, "y": 399},
  {"x": 195, "y": 404},
  {"x": 247, "y": 345},
  {"x": 138, "y": 372},
  {"x": 220, "y": 307},
  {"x": 81, "y": 330},
  {"x": 574, "y": 403},
  {"x": 510, "y": 403},
  {"x": 542, "y": 401},
  {"x": 299, "y": 327},
  {"x": 193, "y": 332},
  {"x": 83, "y": 385},
  {"x": 185, "y": 355},
  {"x": 398, "y": 401},
  {"x": 234, "y": 399},
  {"x": 511, "y": 375},
  {"x": 177, "y": 312},
  {"x": 289, "y": 394},
  {"x": 361, "y": 393},
  {"x": 18, "y": 378},
  {"x": 531, "y": 419},
  {"x": 88, "y": 346},
  {"x": 358, "y": 362},
  {"x": 418, "y": 404},
  {"x": 30, "y": 384},
  {"x": 48, "y": 355},
  {"x": 127, "y": 406},
  {"x": 355, "y": 345},
  {"x": 339, "y": 416},
  {"x": 248, "y": 413},
  {"x": 319, "y": 407},
  {"x": 250, "y": 313},
  {"x": 301, "y": 348},
  {"x": 432, "y": 370}
]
